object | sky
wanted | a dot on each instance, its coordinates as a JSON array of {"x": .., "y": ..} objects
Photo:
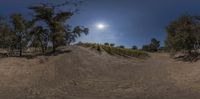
[{"x": 127, "y": 22}]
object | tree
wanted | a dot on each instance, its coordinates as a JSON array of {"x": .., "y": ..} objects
[
  {"x": 40, "y": 38},
  {"x": 154, "y": 46},
  {"x": 107, "y": 44},
  {"x": 134, "y": 47},
  {"x": 20, "y": 29},
  {"x": 60, "y": 31},
  {"x": 183, "y": 34},
  {"x": 4, "y": 31},
  {"x": 121, "y": 46},
  {"x": 145, "y": 47},
  {"x": 72, "y": 34},
  {"x": 48, "y": 26},
  {"x": 8, "y": 38},
  {"x": 112, "y": 44}
]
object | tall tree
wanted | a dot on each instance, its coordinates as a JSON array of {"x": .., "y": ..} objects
[
  {"x": 39, "y": 38},
  {"x": 3, "y": 30},
  {"x": 183, "y": 34},
  {"x": 21, "y": 28},
  {"x": 155, "y": 44},
  {"x": 134, "y": 47},
  {"x": 57, "y": 22}
]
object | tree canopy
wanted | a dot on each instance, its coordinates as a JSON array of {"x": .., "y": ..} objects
[
  {"x": 48, "y": 27},
  {"x": 153, "y": 46},
  {"x": 183, "y": 34},
  {"x": 60, "y": 32}
]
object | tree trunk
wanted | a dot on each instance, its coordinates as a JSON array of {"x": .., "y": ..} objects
[
  {"x": 42, "y": 46},
  {"x": 20, "y": 48},
  {"x": 20, "y": 52},
  {"x": 54, "y": 47}
]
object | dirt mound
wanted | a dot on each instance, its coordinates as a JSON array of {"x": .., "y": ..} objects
[{"x": 81, "y": 73}]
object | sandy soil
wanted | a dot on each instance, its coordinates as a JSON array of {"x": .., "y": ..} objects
[{"x": 86, "y": 74}]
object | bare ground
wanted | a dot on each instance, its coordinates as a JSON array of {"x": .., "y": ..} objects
[{"x": 86, "y": 74}]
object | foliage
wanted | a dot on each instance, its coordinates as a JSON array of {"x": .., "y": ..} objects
[
  {"x": 115, "y": 50},
  {"x": 153, "y": 46},
  {"x": 112, "y": 44},
  {"x": 6, "y": 35},
  {"x": 134, "y": 47},
  {"x": 47, "y": 28},
  {"x": 183, "y": 34},
  {"x": 145, "y": 47},
  {"x": 39, "y": 38},
  {"x": 121, "y": 46},
  {"x": 60, "y": 32},
  {"x": 20, "y": 29},
  {"x": 107, "y": 44},
  {"x": 71, "y": 35}
]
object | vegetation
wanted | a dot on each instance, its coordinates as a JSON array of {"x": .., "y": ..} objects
[
  {"x": 56, "y": 21},
  {"x": 134, "y": 47},
  {"x": 112, "y": 45},
  {"x": 121, "y": 46},
  {"x": 20, "y": 29},
  {"x": 183, "y": 35},
  {"x": 107, "y": 44},
  {"x": 115, "y": 50},
  {"x": 47, "y": 28},
  {"x": 153, "y": 46}
]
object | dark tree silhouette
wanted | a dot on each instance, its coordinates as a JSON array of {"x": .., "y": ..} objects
[
  {"x": 134, "y": 47},
  {"x": 153, "y": 46},
  {"x": 107, "y": 44},
  {"x": 112, "y": 45},
  {"x": 121, "y": 46},
  {"x": 21, "y": 29},
  {"x": 57, "y": 22},
  {"x": 183, "y": 34},
  {"x": 39, "y": 38}
]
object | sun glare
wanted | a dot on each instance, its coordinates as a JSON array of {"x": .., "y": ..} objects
[{"x": 101, "y": 26}]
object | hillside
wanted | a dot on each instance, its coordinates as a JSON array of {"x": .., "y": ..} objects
[{"x": 85, "y": 74}]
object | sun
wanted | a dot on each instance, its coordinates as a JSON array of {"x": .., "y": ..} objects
[{"x": 101, "y": 26}]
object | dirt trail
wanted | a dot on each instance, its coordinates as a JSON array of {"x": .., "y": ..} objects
[{"x": 85, "y": 74}]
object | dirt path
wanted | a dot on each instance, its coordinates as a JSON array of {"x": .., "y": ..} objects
[{"x": 86, "y": 74}]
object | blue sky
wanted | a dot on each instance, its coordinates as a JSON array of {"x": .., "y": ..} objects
[{"x": 130, "y": 22}]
